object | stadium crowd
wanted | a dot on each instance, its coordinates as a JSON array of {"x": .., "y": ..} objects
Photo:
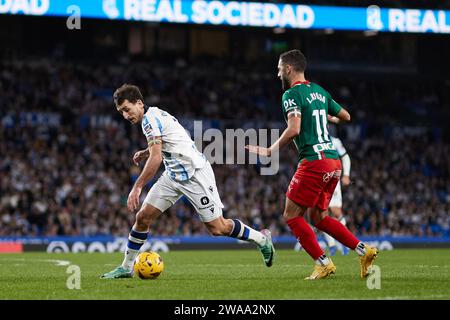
[{"x": 66, "y": 169}]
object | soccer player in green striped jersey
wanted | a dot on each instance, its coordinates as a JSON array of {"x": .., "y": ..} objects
[{"x": 307, "y": 108}]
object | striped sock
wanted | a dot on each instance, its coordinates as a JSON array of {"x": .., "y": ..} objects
[
  {"x": 322, "y": 260},
  {"x": 135, "y": 241},
  {"x": 243, "y": 232},
  {"x": 360, "y": 249}
]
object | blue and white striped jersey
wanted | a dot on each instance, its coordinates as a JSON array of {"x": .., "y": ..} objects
[{"x": 180, "y": 155}]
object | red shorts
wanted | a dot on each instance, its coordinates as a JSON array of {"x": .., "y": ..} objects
[{"x": 314, "y": 182}]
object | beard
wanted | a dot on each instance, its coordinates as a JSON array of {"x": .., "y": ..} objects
[{"x": 285, "y": 83}]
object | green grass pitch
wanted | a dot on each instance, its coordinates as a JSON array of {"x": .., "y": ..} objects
[{"x": 238, "y": 274}]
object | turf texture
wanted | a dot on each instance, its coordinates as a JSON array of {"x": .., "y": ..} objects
[{"x": 226, "y": 275}]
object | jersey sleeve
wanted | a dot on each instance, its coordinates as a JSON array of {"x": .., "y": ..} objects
[
  {"x": 333, "y": 106},
  {"x": 291, "y": 104},
  {"x": 151, "y": 127},
  {"x": 339, "y": 147}
]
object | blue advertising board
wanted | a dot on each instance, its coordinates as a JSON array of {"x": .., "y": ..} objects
[
  {"x": 75, "y": 244},
  {"x": 240, "y": 13}
]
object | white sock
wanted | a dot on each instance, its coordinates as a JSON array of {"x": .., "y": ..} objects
[
  {"x": 128, "y": 260},
  {"x": 329, "y": 239},
  {"x": 135, "y": 241},
  {"x": 322, "y": 261},
  {"x": 244, "y": 232},
  {"x": 360, "y": 249}
]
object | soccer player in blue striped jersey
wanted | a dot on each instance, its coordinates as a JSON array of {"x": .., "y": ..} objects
[{"x": 187, "y": 172}]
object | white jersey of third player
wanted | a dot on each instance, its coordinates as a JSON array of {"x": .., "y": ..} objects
[
  {"x": 180, "y": 155},
  {"x": 339, "y": 146}
]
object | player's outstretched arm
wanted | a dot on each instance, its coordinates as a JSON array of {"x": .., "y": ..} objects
[
  {"x": 342, "y": 116},
  {"x": 287, "y": 136},
  {"x": 151, "y": 167}
]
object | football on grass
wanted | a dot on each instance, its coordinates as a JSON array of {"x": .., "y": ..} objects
[{"x": 148, "y": 265}]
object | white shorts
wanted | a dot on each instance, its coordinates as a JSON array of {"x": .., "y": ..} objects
[
  {"x": 200, "y": 190},
  {"x": 336, "y": 199}
]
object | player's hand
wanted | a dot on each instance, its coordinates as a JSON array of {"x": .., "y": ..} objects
[
  {"x": 133, "y": 199},
  {"x": 345, "y": 180},
  {"x": 333, "y": 119},
  {"x": 139, "y": 156},
  {"x": 259, "y": 150}
]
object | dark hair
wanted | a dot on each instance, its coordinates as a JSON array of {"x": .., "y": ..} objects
[
  {"x": 127, "y": 92},
  {"x": 295, "y": 59}
]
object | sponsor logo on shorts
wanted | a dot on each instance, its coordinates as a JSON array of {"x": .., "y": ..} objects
[
  {"x": 204, "y": 201},
  {"x": 333, "y": 174}
]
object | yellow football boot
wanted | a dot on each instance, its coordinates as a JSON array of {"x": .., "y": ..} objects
[
  {"x": 321, "y": 272},
  {"x": 366, "y": 260}
]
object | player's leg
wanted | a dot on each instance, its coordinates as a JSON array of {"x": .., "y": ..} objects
[
  {"x": 322, "y": 221},
  {"x": 235, "y": 228},
  {"x": 139, "y": 233},
  {"x": 136, "y": 238},
  {"x": 302, "y": 194},
  {"x": 201, "y": 191},
  {"x": 335, "y": 205},
  {"x": 335, "y": 209},
  {"x": 294, "y": 217},
  {"x": 161, "y": 196},
  {"x": 319, "y": 213},
  {"x": 336, "y": 212},
  {"x": 338, "y": 231},
  {"x": 331, "y": 243}
]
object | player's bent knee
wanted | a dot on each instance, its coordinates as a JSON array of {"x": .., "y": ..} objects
[
  {"x": 289, "y": 215},
  {"x": 146, "y": 215},
  {"x": 142, "y": 219}
]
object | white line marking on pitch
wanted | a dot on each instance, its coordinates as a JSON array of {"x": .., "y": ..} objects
[{"x": 59, "y": 263}]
